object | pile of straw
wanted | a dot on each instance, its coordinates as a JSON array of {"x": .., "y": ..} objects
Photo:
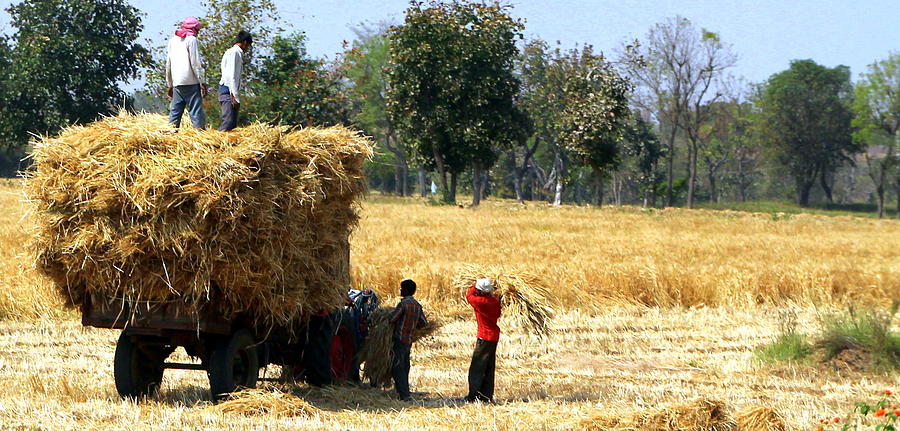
[
  {"x": 760, "y": 418},
  {"x": 264, "y": 402},
  {"x": 258, "y": 217},
  {"x": 377, "y": 354},
  {"x": 700, "y": 415},
  {"x": 526, "y": 300}
]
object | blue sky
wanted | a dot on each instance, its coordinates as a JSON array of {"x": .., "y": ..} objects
[{"x": 766, "y": 34}]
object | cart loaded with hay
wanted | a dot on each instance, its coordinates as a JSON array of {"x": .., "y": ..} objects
[{"x": 233, "y": 246}]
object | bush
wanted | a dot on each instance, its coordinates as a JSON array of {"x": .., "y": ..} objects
[{"x": 868, "y": 330}]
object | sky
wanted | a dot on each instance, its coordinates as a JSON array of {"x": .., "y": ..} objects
[{"x": 765, "y": 34}]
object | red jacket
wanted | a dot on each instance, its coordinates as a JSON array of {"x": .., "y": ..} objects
[{"x": 487, "y": 311}]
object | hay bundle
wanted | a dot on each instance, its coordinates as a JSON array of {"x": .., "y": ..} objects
[
  {"x": 377, "y": 353},
  {"x": 257, "y": 218},
  {"x": 526, "y": 300},
  {"x": 760, "y": 419},
  {"x": 264, "y": 402},
  {"x": 700, "y": 415}
]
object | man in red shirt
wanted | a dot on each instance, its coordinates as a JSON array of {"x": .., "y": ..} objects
[{"x": 484, "y": 359}]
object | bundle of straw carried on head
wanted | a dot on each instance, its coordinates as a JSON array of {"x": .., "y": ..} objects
[
  {"x": 127, "y": 208},
  {"x": 526, "y": 300},
  {"x": 377, "y": 353}
]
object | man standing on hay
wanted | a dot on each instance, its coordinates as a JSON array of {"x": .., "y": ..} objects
[
  {"x": 484, "y": 359},
  {"x": 232, "y": 68},
  {"x": 406, "y": 318},
  {"x": 185, "y": 76}
]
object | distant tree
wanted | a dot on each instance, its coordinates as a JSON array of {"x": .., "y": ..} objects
[
  {"x": 596, "y": 117},
  {"x": 642, "y": 146},
  {"x": 367, "y": 68},
  {"x": 877, "y": 108},
  {"x": 806, "y": 115},
  {"x": 682, "y": 66},
  {"x": 66, "y": 63},
  {"x": 293, "y": 89},
  {"x": 452, "y": 87}
]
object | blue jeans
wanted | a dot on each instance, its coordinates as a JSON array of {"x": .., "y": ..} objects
[
  {"x": 187, "y": 96},
  {"x": 229, "y": 110}
]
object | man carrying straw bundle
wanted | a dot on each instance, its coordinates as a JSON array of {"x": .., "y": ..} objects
[
  {"x": 484, "y": 359},
  {"x": 185, "y": 76},
  {"x": 406, "y": 318}
]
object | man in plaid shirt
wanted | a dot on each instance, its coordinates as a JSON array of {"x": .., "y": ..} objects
[{"x": 407, "y": 317}]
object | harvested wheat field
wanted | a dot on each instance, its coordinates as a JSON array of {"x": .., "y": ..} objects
[{"x": 657, "y": 315}]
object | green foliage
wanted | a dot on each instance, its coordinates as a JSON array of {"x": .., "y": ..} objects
[
  {"x": 452, "y": 86},
  {"x": 367, "y": 66},
  {"x": 67, "y": 59},
  {"x": 789, "y": 345},
  {"x": 597, "y": 113},
  {"x": 806, "y": 121},
  {"x": 644, "y": 150},
  {"x": 296, "y": 90},
  {"x": 868, "y": 330}
]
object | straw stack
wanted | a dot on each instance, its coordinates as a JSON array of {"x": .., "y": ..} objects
[
  {"x": 699, "y": 415},
  {"x": 526, "y": 300},
  {"x": 257, "y": 218}
]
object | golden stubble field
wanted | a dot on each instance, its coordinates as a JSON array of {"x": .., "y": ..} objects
[{"x": 657, "y": 308}]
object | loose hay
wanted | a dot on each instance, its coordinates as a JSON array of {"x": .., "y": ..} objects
[
  {"x": 265, "y": 402},
  {"x": 377, "y": 352},
  {"x": 259, "y": 216},
  {"x": 760, "y": 418},
  {"x": 526, "y": 299},
  {"x": 699, "y": 415}
]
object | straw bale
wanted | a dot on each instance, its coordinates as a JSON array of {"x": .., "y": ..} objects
[
  {"x": 258, "y": 217},
  {"x": 526, "y": 299},
  {"x": 377, "y": 353},
  {"x": 264, "y": 402},
  {"x": 699, "y": 415},
  {"x": 760, "y": 418}
]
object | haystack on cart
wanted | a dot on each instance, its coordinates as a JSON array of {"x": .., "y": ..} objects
[{"x": 230, "y": 350}]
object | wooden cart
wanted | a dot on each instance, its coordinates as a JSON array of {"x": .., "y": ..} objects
[{"x": 230, "y": 351}]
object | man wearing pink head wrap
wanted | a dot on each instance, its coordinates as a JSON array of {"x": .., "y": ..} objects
[{"x": 185, "y": 75}]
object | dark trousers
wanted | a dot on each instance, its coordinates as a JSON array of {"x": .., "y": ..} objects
[
  {"x": 400, "y": 368},
  {"x": 229, "y": 111},
  {"x": 481, "y": 372},
  {"x": 317, "y": 351}
]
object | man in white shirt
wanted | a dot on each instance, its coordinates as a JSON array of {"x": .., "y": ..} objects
[
  {"x": 230, "y": 85},
  {"x": 185, "y": 76}
]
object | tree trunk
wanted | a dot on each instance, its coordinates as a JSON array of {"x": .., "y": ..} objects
[
  {"x": 670, "y": 161},
  {"x": 517, "y": 185},
  {"x": 692, "y": 174},
  {"x": 476, "y": 185},
  {"x": 879, "y": 191},
  {"x": 557, "y": 197},
  {"x": 803, "y": 188},
  {"x": 421, "y": 179},
  {"x": 597, "y": 195},
  {"x": 450, "y": 195},
  {"x": 713, "y": 191},
  {"x": 897, "y": 193},
  {"x": 825, "y": 186}
]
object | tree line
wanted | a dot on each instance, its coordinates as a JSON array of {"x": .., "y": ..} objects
[{"x": 456, "y": 95}]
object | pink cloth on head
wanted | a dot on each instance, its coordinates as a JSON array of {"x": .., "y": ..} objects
[{"x": 189, "y": 27}]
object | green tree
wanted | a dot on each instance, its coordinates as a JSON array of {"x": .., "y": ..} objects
[
  {"x": 452, "y": 86},
  {"x": 805, "y": 113},
  {"x": 67, "y": 61},
  {"x": 596, "y": 117},
  {"x": 367, "y": 68},
  {"x": 877, "y": 122},
  {"x": 644, "y": 149},
  {"x": 294, "y": 89}
]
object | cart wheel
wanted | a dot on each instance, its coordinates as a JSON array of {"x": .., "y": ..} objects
[
  {"x": 137, "y": 369},
  {"x": 233, "y": 364},
  {"x": 342, "y": 352}
]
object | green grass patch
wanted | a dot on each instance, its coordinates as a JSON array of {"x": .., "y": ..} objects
[
  {"x": 786, "y": 207},
  {"x": 787, "y": 347},
  {"x": 867, "y": 330}
]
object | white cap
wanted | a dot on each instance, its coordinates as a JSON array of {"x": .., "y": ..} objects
[{"x": 484, "y": 285}]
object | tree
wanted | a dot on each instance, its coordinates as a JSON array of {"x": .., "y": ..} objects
[
  {"x": 678, "y": 83},
  {"x": 806, "y": 117},
  {"x": 642, "y": 146},
  {"x": 67, "y": 61},
  {"x": 877, "y": 122},
  {"x": 452, "y": 86},
  {"x": 596, "y": 117},
  {"x": 296, "y": 90},
  {"x": 367, "y": 67}
]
